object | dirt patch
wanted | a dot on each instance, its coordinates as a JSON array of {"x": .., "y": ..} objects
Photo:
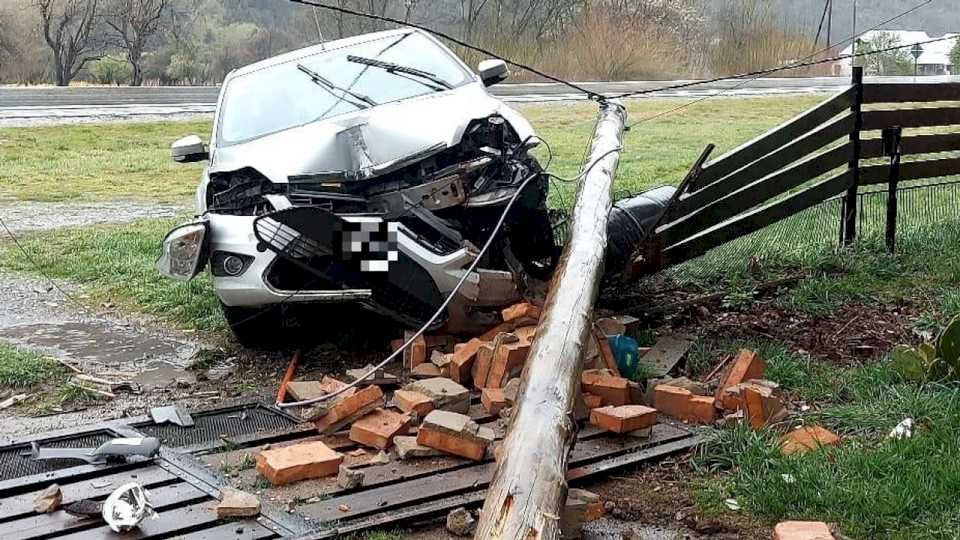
[{"x": 856, "y": 332}]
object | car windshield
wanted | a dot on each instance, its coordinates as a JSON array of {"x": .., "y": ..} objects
[{"x": 331, "y": 83}]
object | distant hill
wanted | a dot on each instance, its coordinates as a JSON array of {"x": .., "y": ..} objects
[{"x": 937, "y": 18}]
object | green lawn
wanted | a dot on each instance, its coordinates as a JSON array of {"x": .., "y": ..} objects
[
  {"x": 21, "y": 369},
  {"x": 132, "y": 160}
]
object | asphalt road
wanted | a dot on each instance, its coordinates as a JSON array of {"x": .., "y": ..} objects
[{"x": 54, "y": 105}]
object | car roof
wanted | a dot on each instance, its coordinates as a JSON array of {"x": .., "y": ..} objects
[{"x": 315, "y": 49}]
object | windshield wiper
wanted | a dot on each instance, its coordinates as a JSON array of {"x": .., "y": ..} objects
[
  {"x": 320, "y": 79},
  {"x": 390, "y": 67}
]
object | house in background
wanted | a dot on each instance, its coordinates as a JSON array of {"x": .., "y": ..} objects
[{"x": 935, "y": 59}]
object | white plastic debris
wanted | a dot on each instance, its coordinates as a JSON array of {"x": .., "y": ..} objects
[
  {"x": 732, "y": 504},
  {"x": 126, "y": 507},
  {"x": 904, "y": 430},
  {"x": 788, "y": 478}
]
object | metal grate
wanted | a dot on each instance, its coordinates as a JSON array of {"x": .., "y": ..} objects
[
  {"x": 214, "y": 425},
  {"x": 15, "y": 461}
]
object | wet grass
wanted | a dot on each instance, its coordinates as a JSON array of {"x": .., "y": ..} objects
[
  {"x": 872, "y": 487},
  {"x": 90, "y": 162},
  {"x": 21, "y": 369}
]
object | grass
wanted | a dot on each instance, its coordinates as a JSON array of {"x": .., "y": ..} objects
[
  {"x": 20, "y": 369},
  {"x": 132, "y": 160},
  {"x": 873, "y": 487}
]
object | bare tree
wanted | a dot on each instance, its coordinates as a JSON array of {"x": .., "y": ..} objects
[
  {"x": 69, "y": 28},
  {"x": 133, "y": 23}
]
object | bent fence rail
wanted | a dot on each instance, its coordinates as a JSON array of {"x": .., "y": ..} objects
[{"x": 832, "y": 149}]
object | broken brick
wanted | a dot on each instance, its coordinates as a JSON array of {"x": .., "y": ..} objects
[
  {"x": 455, "y": 434},
  {"x": 493, "y": 400},
  {"x": 407, "y": 447},
  {"x": 747, "y": 365},
  {"x": 606, "y": 353},
  {"x": 350, "y": 408},
  {"x": 413, "y": 402},
  {"x": 592, "y": 401},
  {"x": 507, "y": 361},
  {"x": 416, "y": 353},
  {"x": 802, "y": 530},
  {"x": 349, "y": 478},
  {"x": 425, "y": 371},
  {"x": 680, "y": 403},
  {"x": 461, "y": 362},
  {"x": 761, "y": 405},
  {"x": 581, "y": 506},
  {"x": 444, "y": 393},
  {"x": 612, "y": 390},
  {"x": 511, "y": 390},
  {"x": 807, "y": 438},
  {"x": 501, "y": 328},
  {"x": 304, "y": 390},
  {"x": 48, "y": 500},
  {"x": 378, "y": 428},
  {"x": 731, "y": 399},
  {"x": 623, "y": 419},
  {"x": 330, "y": 385},
  {"x": 298, "y": 462},
  {"x": 487, "y": 356},
  {"x": 524, "y": 311},
  {"x": 440, "y": 359}
]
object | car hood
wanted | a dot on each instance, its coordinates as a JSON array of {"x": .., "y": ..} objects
[{"x": 369, "y": 142}]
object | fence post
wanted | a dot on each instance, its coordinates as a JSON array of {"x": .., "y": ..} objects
[
  {"x": 891, "y": 147},
  {"x": 848, "y": 221}
]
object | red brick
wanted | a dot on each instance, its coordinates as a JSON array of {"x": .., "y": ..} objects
[
  {"x": 802, "y": 530},
  {"x": 350, "y": 408},
  {"x": 524, "y": 311},
  {"x": 298, "y": 462},
  {"x": 416, "y": 353},
  {"x": 507, "y": 362},
  {"x": 606, "y": 354},
  {"x": 592, "y": 401},
  {"x": 623, "y": 419},
  {"x": 330, "y": 385},
  {"x": 807, "y": 438},
  {"x": 683, "y": 405},
  {"x": 493, "y": 399},
  {"x": 409, "y": 401},
  {"x": 462, "y": 360},
  {"x": 426, "y": 370},
  {"x": 492, "y": 333},
  {"x": 485, "y": 358},
  {"x": 761, "y": 405},
  {"x": 611, "y": 389},
  {"x": 455, "y": 434},
  {"x": 747, "y": 365},
  {"x": 378, "y": 428}
]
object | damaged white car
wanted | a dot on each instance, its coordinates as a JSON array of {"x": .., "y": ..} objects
[{"x": 362, "y": 172}]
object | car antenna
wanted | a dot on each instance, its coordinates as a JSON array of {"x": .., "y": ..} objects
[{"x": 316, "y": 19}]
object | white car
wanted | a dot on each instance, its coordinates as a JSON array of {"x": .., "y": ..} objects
[{"x": 362, "y": 172}]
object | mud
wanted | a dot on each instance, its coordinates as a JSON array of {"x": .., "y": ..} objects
[{"x": 25, "y": 216}]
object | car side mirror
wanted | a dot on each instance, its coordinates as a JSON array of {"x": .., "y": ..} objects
[
  {"x": 189, "y": 150},
  {"x": 493, "y": 72}
]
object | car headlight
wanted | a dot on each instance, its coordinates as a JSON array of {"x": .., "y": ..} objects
[{"x": 184, "y": 251}]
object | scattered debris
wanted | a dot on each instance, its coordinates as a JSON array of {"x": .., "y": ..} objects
[
  {"x": 802, "y": 530},
  {"x": 416, "y": 353},
  {"x": 407, "y": 448},
  {"x": 349, "y": 409},
  {"x": 903, "y": 430},
  {"x": 612, "y": 390},
  {"x": 493, "y": 400},
  {"x": 523, "y": 312},
  {"x": 126, "y": 507},
  {"x": 747, "y": 365},
  {"x": 680, "y": 403},
  {"x": 461, "y": 522},
  {"x": 623, "y": 419},
  {"x": 426, "y": 370},
  {"x": 581, "y": 507},
  {"x": 172, "y": 414},
  {"x": 298, "y": 462},
  {"x": 237, "y": 503},
  {"x": 667, "y": 352},
  {"x": 378, "y": 428},
  {"x": 807, "y": 438},
  {"x": 455, "y": 434},
  {"x": 147, "y": 447},
  {"x": 84, "y": 508},
  {"x": 445, "y": 394},
  {"x": 379, "y": 377},
  {"x": 461, "y": 362},
  {"x": 102, "y": 385},
  {"x": 349, "y": 478},
  {"x": 732, "y": 504},
  {"x": 13, "y": 400},
  {"x": 409, "y": 402},
  {"x": 48, "y": 500},
  {"x": 694, "y": 387},
  {"x": 511, "y": 390},
  {"x": 305, "y": 390}
]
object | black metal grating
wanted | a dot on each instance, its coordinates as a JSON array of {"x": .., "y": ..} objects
[
  {"x": 214, "y": 425},
  {"x": 15, "y": 461}
]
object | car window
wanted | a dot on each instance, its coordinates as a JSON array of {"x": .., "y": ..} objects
[{"x": 284, "y": 96}]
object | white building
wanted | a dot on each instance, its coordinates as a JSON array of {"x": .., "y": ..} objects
[{"x": 935, "y": 59}]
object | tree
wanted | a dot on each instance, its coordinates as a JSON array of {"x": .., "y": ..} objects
[
  {"x": 895, "y": 62},
  {"x": 133, "y": 23},
  {"x": 69, "y": 28},
  {"x": 111, "y": 69},
  {"x": 955, "y": 58}
]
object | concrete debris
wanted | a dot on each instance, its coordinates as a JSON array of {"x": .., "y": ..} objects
[
  {"x": 48, "y": 500},
  {"x": 408, "y": 448},
  {"x": 237, "y": 503},
  {"x": 455, "y": 434},
  {"x": 807, "y": 438},
  {"x": 445, "y": 394},
  {"x": 349, "y": 478},
  {"x": 460, "y": 522},
  {"x": 802, "y": 530},
  {"x": 440, "y": 359},
  {"x": 298, "y": 462},
  {"x": 304, "y": 390}
]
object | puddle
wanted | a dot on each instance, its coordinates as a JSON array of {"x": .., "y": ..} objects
[
  {"x": 610, "y": 529},
  {"x": 160, "y": 374}
]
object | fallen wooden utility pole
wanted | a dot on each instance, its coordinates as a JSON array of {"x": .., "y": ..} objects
[{"x": 529, "y": 488}]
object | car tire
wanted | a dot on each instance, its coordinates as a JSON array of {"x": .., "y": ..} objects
[{"x": 273, "y": 327}]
